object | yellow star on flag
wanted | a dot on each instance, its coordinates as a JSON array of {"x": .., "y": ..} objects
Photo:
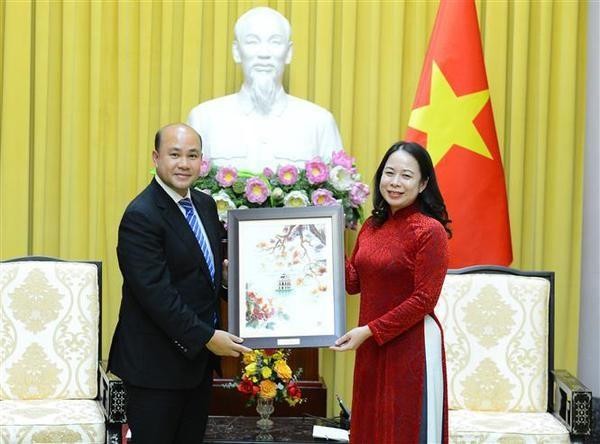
[{"x": 448, "y": 119}]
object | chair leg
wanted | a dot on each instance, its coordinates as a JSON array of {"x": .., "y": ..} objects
[{"x": 114, "y": 434}]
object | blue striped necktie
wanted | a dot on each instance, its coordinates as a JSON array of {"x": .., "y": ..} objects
[{"x": 191, "y": 218}]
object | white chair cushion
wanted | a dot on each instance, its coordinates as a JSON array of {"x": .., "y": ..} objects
[
  {"x": 49, "y": 331},
  {"x": 496, "y": 335},
  {"x": 51, "y": 421},
  {"x": 505, "y": 428}
]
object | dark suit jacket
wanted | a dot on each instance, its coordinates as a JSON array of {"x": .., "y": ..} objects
[{"x": 168, "y": 299}]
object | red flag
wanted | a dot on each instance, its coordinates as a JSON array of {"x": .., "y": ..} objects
[{"x": 452, "y": 117}]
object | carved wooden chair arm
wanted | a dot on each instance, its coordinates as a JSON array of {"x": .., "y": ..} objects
[
  {"x": 112, "y": 397},
  {"x": 572, "y": 403}
]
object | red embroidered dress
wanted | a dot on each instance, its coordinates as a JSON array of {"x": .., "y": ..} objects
[{"x": 399, "y": 269}]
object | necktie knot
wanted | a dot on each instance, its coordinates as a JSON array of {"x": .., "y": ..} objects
[{"x": 186, "y": 203}]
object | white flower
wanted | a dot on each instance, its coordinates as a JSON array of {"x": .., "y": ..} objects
[
  {"x": 277, "y": 193},
  {"x": 296, "y": 199},
  {"x": 224, "y": 204},
  {"x": 341, "y": 178}
]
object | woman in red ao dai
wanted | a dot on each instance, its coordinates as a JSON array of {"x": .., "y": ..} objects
[{"x": 398, "y": 266}]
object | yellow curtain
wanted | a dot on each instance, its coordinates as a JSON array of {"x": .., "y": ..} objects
[{"x": 85, "y": 84}]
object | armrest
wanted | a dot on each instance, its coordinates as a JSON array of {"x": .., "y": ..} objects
[
  {"x": 111, "y": 394},
  {"x": 572, "y": 403}
]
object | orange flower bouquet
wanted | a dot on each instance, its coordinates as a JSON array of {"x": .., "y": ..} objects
[{"x": 266, "y": 374}]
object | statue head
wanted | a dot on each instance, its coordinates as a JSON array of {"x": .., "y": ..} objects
[{"x": 262, "y": 46}]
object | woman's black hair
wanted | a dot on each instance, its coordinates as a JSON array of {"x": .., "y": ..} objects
[{"x": 430, "y": 200}]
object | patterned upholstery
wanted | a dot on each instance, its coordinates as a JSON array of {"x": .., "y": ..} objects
[
  {"x": 51, "y": 421},
  {"x": 505, "y": 428},
  {"x": 496, "y": 331},
  {"x": 49, "y": 352},
  {"x": 496, "y": 337}
]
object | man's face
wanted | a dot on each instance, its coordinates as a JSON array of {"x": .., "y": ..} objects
[
  {"x": 262, "y": 47},
  {"x": 179, "y": 158}
]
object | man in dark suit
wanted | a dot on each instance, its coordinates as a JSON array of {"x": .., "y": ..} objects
[{"x": 166, "y": 341}]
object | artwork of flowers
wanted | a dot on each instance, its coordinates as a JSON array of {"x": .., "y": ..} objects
[
  {"x": 287, "y": 280},
  {"x": 319, "y": 183},
  {"x": 261, "y": 311},
  {"x": 267, "y": 374}
]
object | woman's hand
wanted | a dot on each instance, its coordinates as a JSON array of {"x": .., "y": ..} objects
[{"x": 353, "y": 339}]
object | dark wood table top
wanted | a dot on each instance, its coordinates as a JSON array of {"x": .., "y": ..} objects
[{"x": 242, "y": 429}]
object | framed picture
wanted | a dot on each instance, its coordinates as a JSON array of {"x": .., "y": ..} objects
[{"x": 286, "y": 276}]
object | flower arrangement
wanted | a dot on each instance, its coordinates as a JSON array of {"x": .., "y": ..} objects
[
  {"x": 266, "y": 374},
  {"x": 319, "y": 184}
]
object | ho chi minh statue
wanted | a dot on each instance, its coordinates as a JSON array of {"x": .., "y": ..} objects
[{"x": 261, "y": 125}]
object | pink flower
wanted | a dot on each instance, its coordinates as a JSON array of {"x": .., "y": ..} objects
[
  {"x": 358, "y": 194},
  {"x": 316, "y": 171},
  {"x": 256, "y": 190},
  {"x": 323, "y": 198},
  {"x": 226, "y": 176},
  {"x": 342, "y": 159},
  {"x": 205, "y": 167},
  {"x": 288, "y": 174},
  {"x": 267, "y": 172}
]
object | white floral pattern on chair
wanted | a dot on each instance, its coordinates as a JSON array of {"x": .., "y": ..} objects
[
  {"x": 55, "y": 310},
  {"x": 51, "y": 421},
  {"x": 496, "y": 338},
  {"x": 49, "y": 353},
  {"x": 495, "y": 342},
  {"x": 505, "y": 428}
]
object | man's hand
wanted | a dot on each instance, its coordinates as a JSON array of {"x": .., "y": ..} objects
[
  {"x": 353, "y": 339},
  {"x": 223, "y": 343}
]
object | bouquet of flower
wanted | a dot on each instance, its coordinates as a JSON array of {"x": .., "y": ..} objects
[
  {"x": 266, "y": 374},
  {"x": 319, "y": 183}
]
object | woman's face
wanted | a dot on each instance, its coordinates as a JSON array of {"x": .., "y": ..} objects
[{"x": 401, "y": 180}]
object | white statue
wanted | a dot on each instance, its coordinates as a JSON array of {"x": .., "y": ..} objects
[{"x": 261, "y": 125}]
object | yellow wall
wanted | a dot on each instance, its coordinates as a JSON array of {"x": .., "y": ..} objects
[{"x": 85, "y": 84}]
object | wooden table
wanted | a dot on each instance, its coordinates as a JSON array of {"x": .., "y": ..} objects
[{"x": 242, "y": 429}]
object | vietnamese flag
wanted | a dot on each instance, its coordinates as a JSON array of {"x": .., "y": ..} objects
[{"x": 452, "y": 117}]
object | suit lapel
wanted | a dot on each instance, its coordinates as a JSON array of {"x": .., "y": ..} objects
[{"x": 175, "y": 218}]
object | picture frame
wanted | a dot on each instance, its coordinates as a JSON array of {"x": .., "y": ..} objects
[{"x": 286, "y": 285}]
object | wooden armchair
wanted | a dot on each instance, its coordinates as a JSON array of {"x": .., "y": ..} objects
[
  {"x": 52, "y": 388},
  {"x": 499, "y": 337}
]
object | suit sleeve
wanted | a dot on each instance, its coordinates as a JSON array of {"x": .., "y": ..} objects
[
  {"x": 431, "y": 264},
  {"x": 142, "y": 262}
]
